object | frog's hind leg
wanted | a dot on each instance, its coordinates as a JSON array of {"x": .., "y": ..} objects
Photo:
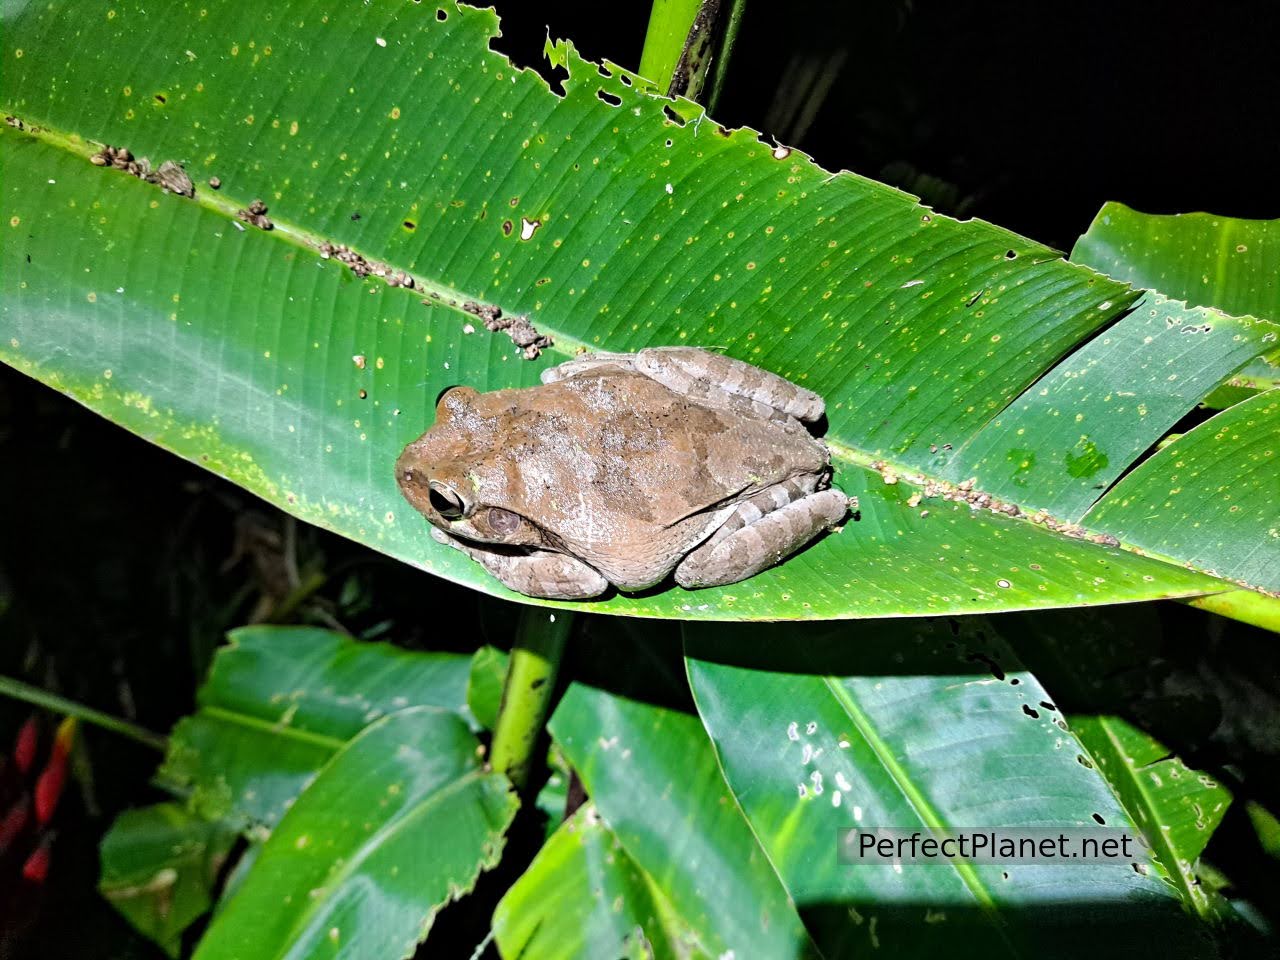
[
  {"x": 762, "y": 531},
  {"x": 541, "y": 573},
  {"x": 716, "y": 380},
  {"x": 588, "y": 363}
]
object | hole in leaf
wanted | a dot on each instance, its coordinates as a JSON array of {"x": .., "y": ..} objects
[
  {"x": 1098, "y": 818},
  {"x": 610, "y": 98},
  {"x": 442, "y": 14},
  {"x": 1031, "y": 712}
]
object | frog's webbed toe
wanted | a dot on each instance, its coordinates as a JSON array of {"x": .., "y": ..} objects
[
  {"x": 537, "y": 573},
  {"x": 719, "y": 381},
  {"x": 763, "y": 531}
]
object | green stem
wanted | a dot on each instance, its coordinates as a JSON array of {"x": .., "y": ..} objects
[
  {"x": 51, "y": 701},
  {"x": 1247, "y": 606},
  {"x": 526, "y": 695},
  {"x": 669, "y": 23},
  {"x": 721, "y": 67},
  {"x": 688, "y": 44}
]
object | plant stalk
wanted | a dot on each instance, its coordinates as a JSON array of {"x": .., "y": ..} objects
[
  {"x": 669, "y": 24},
  {"x": 720, "y": 68},
  {"x": 688, "y": 44},
  {"x": 56, "y": 704},
  {"x": 526, "y": 695},
  {"x": 1247, "y": 606}
]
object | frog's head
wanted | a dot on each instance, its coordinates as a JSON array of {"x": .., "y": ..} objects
[{"x": 457, "y": 476}]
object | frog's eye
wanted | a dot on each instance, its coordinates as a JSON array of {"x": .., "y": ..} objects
[
  {"x": 447, "y": 502},
  {"x": 503, "y": 522}
]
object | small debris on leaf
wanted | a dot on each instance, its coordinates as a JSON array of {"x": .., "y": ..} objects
[
  {"x": 170, "y": 176},
  {"x": 121, "y": 158},
  {"x": 256, "y": 215},
  {"x": 215, "y": 183},
  {"x": 523, "y": 333}
]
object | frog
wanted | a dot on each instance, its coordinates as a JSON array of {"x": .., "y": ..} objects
[{"x": 619, "y": 470}]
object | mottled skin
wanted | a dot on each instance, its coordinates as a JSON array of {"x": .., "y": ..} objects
[{"x": 623, "y": 468}]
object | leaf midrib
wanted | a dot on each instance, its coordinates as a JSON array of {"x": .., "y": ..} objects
[{"x": 917, "y": 800}]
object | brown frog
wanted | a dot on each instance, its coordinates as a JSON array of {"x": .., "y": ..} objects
[{"x": 622, "y": 468}]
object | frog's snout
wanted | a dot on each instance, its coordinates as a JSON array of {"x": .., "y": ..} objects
[{"x": 437, "y": 499}]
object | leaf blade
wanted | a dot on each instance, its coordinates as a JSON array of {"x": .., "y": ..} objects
[{"x": 345, "y": 867}]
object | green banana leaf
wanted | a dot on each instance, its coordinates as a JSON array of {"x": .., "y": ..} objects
[
  {"x": 897, "y": 729},
  {"x": 653, "y": 778},
  {"x": 306, "y": 735},
  {"x": 1093, "y": 678},
  {"x": 947, "y": 351},
  {"x": 1204, "y": 259},
  {"x": 399, "y": 823},
  {"x": 583, "y": 896},
  {"x": 160, "y": 869},
  {"x": 1207, "y": 260},
  {"x": 280, "y": 702}
]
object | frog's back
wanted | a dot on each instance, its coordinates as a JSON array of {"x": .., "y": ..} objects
[{"x": 644, "y": 457}]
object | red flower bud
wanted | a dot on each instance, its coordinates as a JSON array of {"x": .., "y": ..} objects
[
  {"x": 54, "y": 777},
  {"x": 49, "y": 789},
  {"x": 62, "y": 740},
  {"x": 37, "y": 866},
  {"x": 24, "y": 747},
  {"x": 14, "y": 822}
]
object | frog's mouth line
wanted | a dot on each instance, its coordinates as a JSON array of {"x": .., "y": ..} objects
[{"x": 550, "y": 543}]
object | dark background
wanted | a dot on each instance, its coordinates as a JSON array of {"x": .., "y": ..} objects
[{"x": 122, "y": 565}]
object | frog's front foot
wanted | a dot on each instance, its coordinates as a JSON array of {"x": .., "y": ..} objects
[
  {"x": 763, "y": 531},
  {"x": 535, "y": 573}
]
